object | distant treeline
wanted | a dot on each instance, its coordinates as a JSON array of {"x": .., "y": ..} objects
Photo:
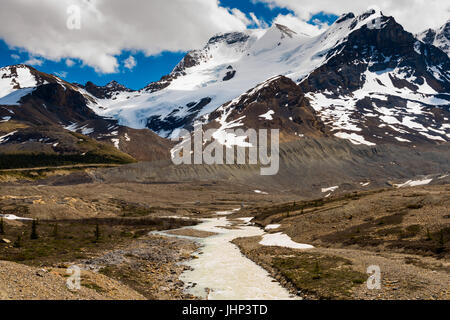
[{"x": 16, "y": 161}]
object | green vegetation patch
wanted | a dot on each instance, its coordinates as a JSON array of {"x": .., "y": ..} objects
[
  {"x": 52, "y": 242},
  {"x": 36, "y": 160},
  {"x": 327, "y": 277}
]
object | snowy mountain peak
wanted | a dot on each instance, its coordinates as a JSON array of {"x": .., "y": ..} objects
[
  {"x": 16, "y": 81},
  {"x": 229, "y": 38},
  {"x": 285, "y": 31},
  {"x": 367, "y": 79},
  {"x": 345, "y": 17},
  {"x": 109, "y": 91},
  {"x": 439, "y": 38}
]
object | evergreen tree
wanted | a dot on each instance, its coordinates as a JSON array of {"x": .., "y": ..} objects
[
  {"x": 441, "y": 238},
  {"x": 97, "y": 233},
  {"x": 55, "y": 231},
  {"x": 34, "y": 235},
  {"x": 18, "y": 242},
  {"x": 2, "y": 227},
  {"x": 316, "y": 272},
  {"x": 428, "y": 235}
]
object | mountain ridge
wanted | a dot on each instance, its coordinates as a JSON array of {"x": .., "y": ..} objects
[{"x": 356, "y": 81}]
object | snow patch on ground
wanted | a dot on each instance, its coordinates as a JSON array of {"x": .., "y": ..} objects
[
  {"x": 14, "y": 97},
  {"x": 268, "y": 115},
  {"x": 354, "y": 138},
  {"x": 272, "y": 226},
  {"x": 332, "y": 189},
  {"x": 116, "y": 143},
  {"x": 6, "y": 137},
  {"x": 226, "y": 213},
  {"x": 13, "y": 217},
  {"x": 282, "y": 240},
  {"x": 414, "y": 183}
]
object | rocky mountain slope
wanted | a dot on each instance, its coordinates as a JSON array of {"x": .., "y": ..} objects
[
  {"x": 440, "y": 38},
  {"x": 365, "y": 79},
  {"x": 368, "y": 80},
  {"x": 40, "y": 113}
]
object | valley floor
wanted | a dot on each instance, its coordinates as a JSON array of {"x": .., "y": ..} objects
[{"x": 403, "y": 231}]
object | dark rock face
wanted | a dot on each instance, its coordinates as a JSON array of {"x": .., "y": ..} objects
[
  {"x": 230, "y": 75},
  {"x": 229, "y": 38},
  {"x": 43, "y": 115},
  {"x": 105, "y": 92},
  {"x": 159, "y": 85},
  {"x": 429, "y": 36},
  {"x": 278, "y": 104},
  {"x": 388, "y": 48},
  {"x": 285, "y": 31},
  {"x": 346, "y": 17},
  {"x": 439, "y": 38},
  {"x": 191, "y": 59},
  {"x": 181, "y": 117},
  {"x": 405, "y": 65}
]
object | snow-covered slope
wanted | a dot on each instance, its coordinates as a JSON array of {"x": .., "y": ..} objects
[
  {"x": 439, "y": 38},
  {"x": 366, "y": 78},
  {"x": 41, "y": 113},
  {"x": 13, "y": 82},
  {"x": 247, "y": 58},
  {"x": 339, "y": 69},
  {"x": 384, "y": 86}
]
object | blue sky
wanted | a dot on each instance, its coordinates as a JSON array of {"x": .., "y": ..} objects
[{"x": 148, "y": 69}]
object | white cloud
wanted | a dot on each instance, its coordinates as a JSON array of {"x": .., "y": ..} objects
[
  {"x": 414, "y": 15},
  {"x": 110, "y": 26},
  {"x": 70, "y": 63},
  {"x": 130, "y": 63},
  {"x": 241, "y": 16},
  {"x": 301, "y": 27},
  {"x": 15, "y": 56},
  {"x": 61, "y": 74},
  {"x": 33, "y": 61},
  {"x": 259, "y": 23}
]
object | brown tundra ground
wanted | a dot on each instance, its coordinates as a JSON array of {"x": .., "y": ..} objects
[{"x": 406, "y": 232}]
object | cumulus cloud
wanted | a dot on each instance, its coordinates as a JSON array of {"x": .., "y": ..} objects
[
  {"x": 259, "y": 23},
  {"x": 48, "y": 29},
  {"x": 61, "y": 74},
  {"x": 70, "y": 63},
  {"x": 130, "y": 63},
  {"x": 414, "y": 15},
  {"x": 241, "y": 16},
  {"x": 107, "y": 27},
  {"x": 33, "y": 61}
]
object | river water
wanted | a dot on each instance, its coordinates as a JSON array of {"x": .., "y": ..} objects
[{"x": 221, "y": 272}]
